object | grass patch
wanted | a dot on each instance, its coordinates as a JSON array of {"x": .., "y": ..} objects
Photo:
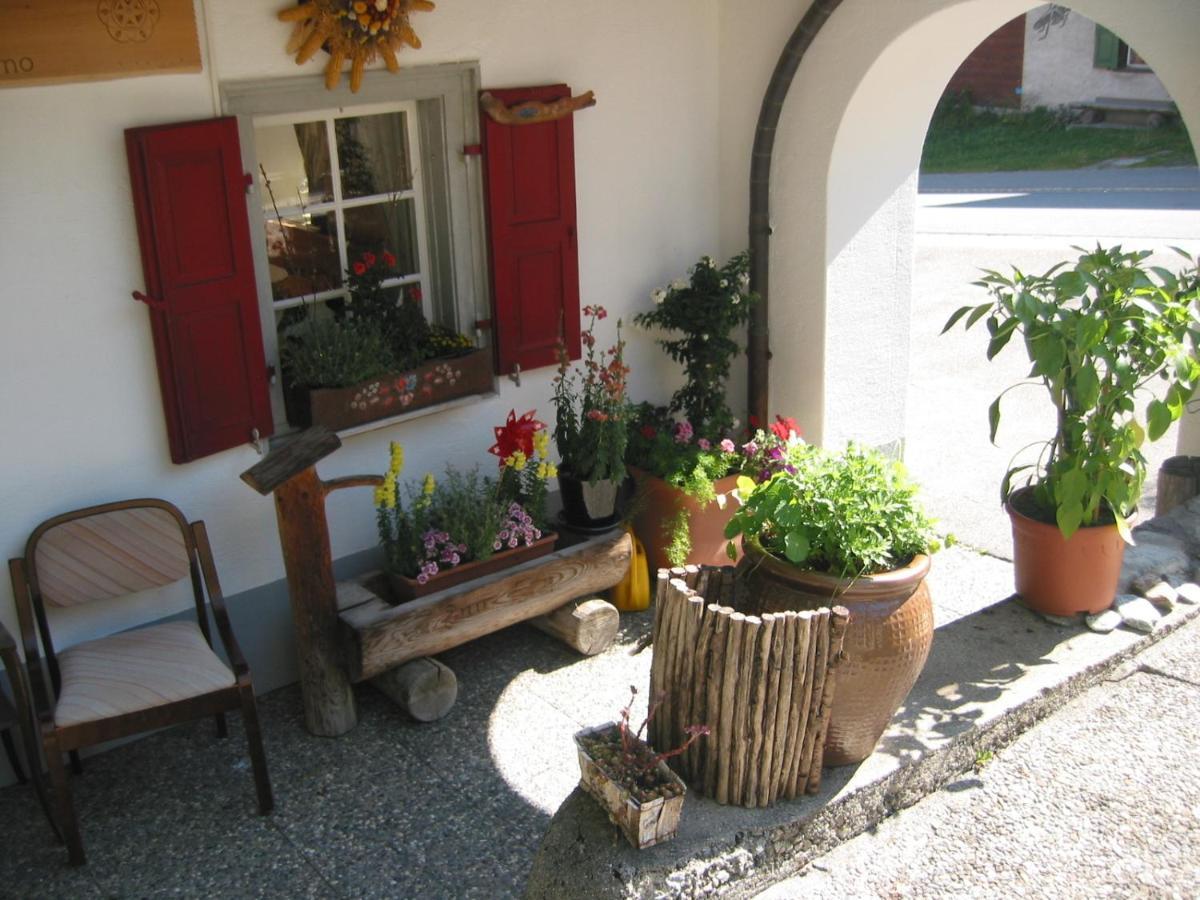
[{"x": 962, "y": 139}]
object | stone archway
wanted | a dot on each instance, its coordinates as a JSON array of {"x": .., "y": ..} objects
[{"x": 843, "y": 186}]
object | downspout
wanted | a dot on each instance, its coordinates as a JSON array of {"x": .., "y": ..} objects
[{"x": 758, "y": 347}]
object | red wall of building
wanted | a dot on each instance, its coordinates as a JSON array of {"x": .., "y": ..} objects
[{"x": 992, "y": 73}]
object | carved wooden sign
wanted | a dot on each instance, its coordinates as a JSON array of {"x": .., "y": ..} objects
[{"x": 44, "y": 42}]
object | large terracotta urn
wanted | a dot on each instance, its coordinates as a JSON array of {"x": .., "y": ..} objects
[{"x": 887, "y": 639}]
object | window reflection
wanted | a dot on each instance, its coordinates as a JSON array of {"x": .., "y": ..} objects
[
  {"x": 384, "y": 226},
  {"x": 373, "y": 155},
  {"x": 296, "y": 161},
  {"x": 302, "y": 255}
]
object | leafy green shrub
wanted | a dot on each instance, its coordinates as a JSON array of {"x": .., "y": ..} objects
[
  {"x": 848, "y": 514},
  {"x": 321, "y": 352}
]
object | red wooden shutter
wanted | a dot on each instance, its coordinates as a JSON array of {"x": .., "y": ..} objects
[
  {"x": 190, "y": 198},
  {"x": 531, "y": 227}
]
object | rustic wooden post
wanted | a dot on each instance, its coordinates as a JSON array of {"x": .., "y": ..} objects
[{"x": 290, "y": 473}]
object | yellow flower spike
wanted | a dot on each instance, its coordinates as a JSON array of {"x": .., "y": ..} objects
[
  {"x": 541, "y": 471},
  {"x": 541, "y": 442},
  {"x": 429, "y": 486},
  {"x": 519, "y": 460},
  {"x": 380, "y": 495},
  {"x": 551, "y": 470}
]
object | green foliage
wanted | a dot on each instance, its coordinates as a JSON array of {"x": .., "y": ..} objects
[
  {"x": 323, "y": 352},
  {"x": 395, "y": 311},
  {"x": 590, "y": 407},
  {"x": 848, "y": 514},
  {"x": 704, "y": 310},
  {"x": 1097, "y": 333},
  {"x": 678, "y": 534},
  {"x": 964, "y": 139}
]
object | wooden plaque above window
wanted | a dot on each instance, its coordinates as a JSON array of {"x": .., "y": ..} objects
[{"x": 92, "y": 40}]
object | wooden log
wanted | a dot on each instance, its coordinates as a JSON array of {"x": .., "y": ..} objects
[
  {"x": 691, "y": 576},
  {"x": 304, "y": 537},
  {"x": 838, "y": 619},
  {"x": 787, "y": 631},
  {"x": 714, "y": 676},
  {"x": 1178, "y": 482},
  {"x": 757, "y": 709},
  {"x": 587, "y": 626},
  {"x": 532, "y": 112},
  {"x": 693, "y": 757},
  {"x": 376, "y": 636},
  {"x": 283, "y": 463},
  {"x": 770, "y": 707},
  {"x": 751, "y": 630},
  {"x": 729, "y": 681},
  {"x": 424, "y": 688},
  {"x": 820, "y": 671},
  {"x": 660, "y": 662},
  {"x": 685, "y": 715},
  {"x": 801, "y": 698}
]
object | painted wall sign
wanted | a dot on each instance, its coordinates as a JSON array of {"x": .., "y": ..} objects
[{"x": 87, "y": 40}]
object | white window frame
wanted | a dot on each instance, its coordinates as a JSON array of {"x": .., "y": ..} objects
[
  {"x": 445, "y": 123},
  {"x": 339, "y": 204}
]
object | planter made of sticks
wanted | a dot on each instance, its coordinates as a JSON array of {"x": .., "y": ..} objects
[{"x": 764, "y": 684}]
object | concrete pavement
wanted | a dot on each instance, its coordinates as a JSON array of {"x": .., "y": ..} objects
[{"x": 1100, "y": 800}]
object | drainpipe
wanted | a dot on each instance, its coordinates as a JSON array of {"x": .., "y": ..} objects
[{"x": 758, "y": 347}]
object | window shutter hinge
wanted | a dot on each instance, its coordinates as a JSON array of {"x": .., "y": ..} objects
[
  {"x": 473, "y": 150},
  {"x": 259, "y": 444},
  {"x": 483, "y": 324},
  {"x": 515, "y": 375},
  {"x": 271, "y": 374}
]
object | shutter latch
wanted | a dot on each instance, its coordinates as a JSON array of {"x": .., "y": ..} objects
[
  {"x": 473, "y": 150},
  {"x": 152, "y": 302}
]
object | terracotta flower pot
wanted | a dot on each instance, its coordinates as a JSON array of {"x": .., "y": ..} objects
[
  {"x": 1060, "y": 576},
  {"x": 659, "y": 503},
  {"x": 887, "y": 639}
]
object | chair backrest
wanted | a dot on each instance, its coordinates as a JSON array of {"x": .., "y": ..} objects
[{"x": 109, "y": 551}]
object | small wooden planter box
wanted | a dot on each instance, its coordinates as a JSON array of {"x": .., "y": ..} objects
[
  {"x": 435, "y": 382},
  {"x": 375, "y": 635},
  {"x": 643, "y": 824},
  {"x": 404, "y": 588}
]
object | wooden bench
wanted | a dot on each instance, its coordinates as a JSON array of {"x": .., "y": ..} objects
[{"x": 1154, "y": 113}]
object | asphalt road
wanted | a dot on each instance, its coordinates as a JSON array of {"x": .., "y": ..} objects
[{"x": 998, "y": 220}]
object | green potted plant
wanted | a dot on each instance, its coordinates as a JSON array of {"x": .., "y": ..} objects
[
  {"x": 350, "y": 363},
  {"x": 685, "y": 482},
  {"x": 438, "y": 535},
  {"x": 844, "y": 529},
  {"x": 1097, "y": 333},
  {"x": 590, "y": 413},
  {"x": 684, "y": 457}
]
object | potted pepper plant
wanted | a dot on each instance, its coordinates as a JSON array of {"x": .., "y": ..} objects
[
  {"x": 1098, "y": 333},
  {"x": 684, "y": 457},
  {"x": 844, "y": 529},
  {"x": 438, "y": 535},
  {"x": 590, "y": 413}
]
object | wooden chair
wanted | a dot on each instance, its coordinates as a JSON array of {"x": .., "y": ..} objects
[{"x": 136, "y": 680}]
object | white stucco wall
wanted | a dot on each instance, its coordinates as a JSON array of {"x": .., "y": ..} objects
[
  {"x": 79, "y": 396},
  {"x": 843, "y": 180},
  {"x": 1059, "y": 67}
]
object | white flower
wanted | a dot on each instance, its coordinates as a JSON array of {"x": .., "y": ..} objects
[
  {"x": 678, "y": 284},
  {"x": 724, "y": 283},
  {"x": 708, "y": 261},
  {"x": 658, "y": 296},
  {"x": 704, "y": 337},
  {"x": 744, "y": 280},
  {"x": 737, "y": 298}
]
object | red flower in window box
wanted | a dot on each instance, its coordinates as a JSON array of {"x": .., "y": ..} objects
[
  {"x": 359, "y": 268},
  {"x": 783, "y": 428}
]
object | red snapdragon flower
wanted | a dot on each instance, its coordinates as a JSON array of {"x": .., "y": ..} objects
[
  {"x": 369, "y": 258},
  {"x": 388, "y": 259},
  {"x": 359, "y": 268}
]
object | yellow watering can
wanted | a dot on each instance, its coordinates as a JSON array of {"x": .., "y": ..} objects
[{"x": 633, "y": 592}]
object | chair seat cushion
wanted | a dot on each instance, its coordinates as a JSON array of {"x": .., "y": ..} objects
[{"x": 137, "y": 670}]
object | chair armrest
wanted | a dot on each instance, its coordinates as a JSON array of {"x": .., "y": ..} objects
[
  {"x": 217, "y": 600},
  {"x": 31, "y": 670}
]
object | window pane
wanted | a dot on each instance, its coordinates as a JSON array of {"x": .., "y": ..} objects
[
  {"x": 384, "y": 226},
  {"x": 303, "y": 257},
  {"x": 296, "y": 159},
  {"x": 373, "y": 155}
]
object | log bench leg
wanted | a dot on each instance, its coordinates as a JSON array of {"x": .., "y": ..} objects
[
  {"x": 587, "y": 626},
  {"x": 424, "y": 688}
]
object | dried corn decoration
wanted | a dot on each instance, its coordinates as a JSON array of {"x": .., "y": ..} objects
[{"x": 360, "y": 31}]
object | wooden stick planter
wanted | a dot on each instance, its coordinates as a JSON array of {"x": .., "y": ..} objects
[{"x": 763, "y": 683}]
